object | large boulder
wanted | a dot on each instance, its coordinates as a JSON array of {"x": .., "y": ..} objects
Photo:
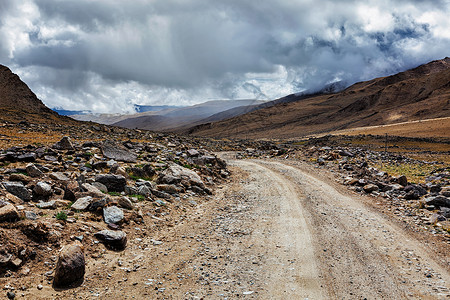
[
  {"x": 175, "y": 174},
  {"x": 116, "y": 240},
  {"x": 114, "y": 183},
  {"x": 70, "y": 267},
  {"x": 117, "y": 152}
]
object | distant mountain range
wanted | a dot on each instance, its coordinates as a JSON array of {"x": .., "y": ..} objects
[
  {"x": 416, "y": 94},
  {"x": 169, "y": 118}
]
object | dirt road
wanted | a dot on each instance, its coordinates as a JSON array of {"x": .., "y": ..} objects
[{"x": 275, "y": 231}]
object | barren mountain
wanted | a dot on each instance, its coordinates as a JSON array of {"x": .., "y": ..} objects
[
  {"x": 416, "y": 94},
  {"x": 19, "y": 103}
]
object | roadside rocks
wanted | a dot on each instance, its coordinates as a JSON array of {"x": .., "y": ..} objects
[
  {"x": 176, "y": 174},
  {"x": 117, "y": 184},
  {"x": 70, "y": 267},
  {"x": 438, "y": 201}
]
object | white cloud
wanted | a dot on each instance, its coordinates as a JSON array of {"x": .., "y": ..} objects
[{"x": 106, "y": 55}]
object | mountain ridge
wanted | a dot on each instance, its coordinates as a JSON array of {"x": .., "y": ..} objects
[{"x": 418, "y": 93}]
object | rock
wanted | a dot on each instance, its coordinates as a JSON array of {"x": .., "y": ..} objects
[
  {"x": 10, "y": 295},
  {"x": 30, "y": 215},
  {"x": 144, "y": 190},
  {"x": 70, "y": 267},
  {"x": 17, "y": 189},
  {"x": 445, "y": 211},
  {"x": 64, "y": 144},
  {"x": 346, "y": 153},
  {"x": 96, "y": 204},
  {"x": 59, "y": 176},
  {"x": 177, "y": 174},
  {"x": 193, "y": 153},
  {"x": 42, "y": 189},
  {"x": 20, "y": 177},
  {"x": 402, "y": 180},
  {"x": 369, "y": 188},
  {"x": 100, "y": 186},
  {"x": 439, "y": 201},
  {"x": 412, "y": 195},
  {"x": 116, "y": 240},
  {"x": 82, "y": 203},
  {"x": 112, "y": 214},
  {"x": 33, "y": 171},
  {"x": 92, "y": 190},
  {"x": 8, "y": 212},
  {"x": 117, "y": 152},
  {"x": 125, "y": 202},
  {"x": 169, "y": 188},
  {"x": 114, "y": 183},
  {"x": 47, "y": 205},
  {"x": 435, "y": 189},
  {"x": 70, "y": 189},
  {"x": 27, "y": 157}
]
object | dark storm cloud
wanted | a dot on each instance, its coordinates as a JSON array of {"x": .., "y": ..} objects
[{"x": 169, "y": 51}]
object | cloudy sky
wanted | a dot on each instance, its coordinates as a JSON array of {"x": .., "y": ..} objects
[{"x": 106, "y": 55}]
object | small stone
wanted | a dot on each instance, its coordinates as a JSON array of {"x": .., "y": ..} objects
[
  {"x": 33, "y": 171},
  {"x": 47, "y": 205},
  {"x": 42, "y": 189},
  {"x": 8, "y": 212},
  {"x": 402, "y": 180},
  {"x": 112, "y": 214},
  {"x": 125, "y": 202},
  {"x": 40, "y": 287},
  {"x": 369, "y": 188},
  {"x": 82, "y": 203},
  {"x": 59, "y": 176},
  {"x": 11, "y": 295},
  {"x": 64, "y": 144}
]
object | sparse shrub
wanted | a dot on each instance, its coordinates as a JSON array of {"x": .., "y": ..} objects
[{"x": 61, "y": 216}]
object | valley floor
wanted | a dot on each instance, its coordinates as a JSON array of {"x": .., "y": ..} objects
[{"x": 275, "y": 231}]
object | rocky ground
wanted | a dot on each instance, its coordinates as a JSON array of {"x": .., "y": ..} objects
[{"x": 86, "y": 192}]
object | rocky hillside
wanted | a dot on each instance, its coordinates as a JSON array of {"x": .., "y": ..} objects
[
  {"x": 416, "y": 94},
  {"x": 19, "y": 103}
]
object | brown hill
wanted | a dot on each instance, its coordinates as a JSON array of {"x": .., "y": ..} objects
[
  {"x": 19, "y": 103},
  {"x": 416, "y": 94}
]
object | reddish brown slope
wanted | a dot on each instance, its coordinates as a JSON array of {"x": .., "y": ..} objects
[
  {"x": 420, "y": 93},
  {"x": 19, "y": 103}
]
